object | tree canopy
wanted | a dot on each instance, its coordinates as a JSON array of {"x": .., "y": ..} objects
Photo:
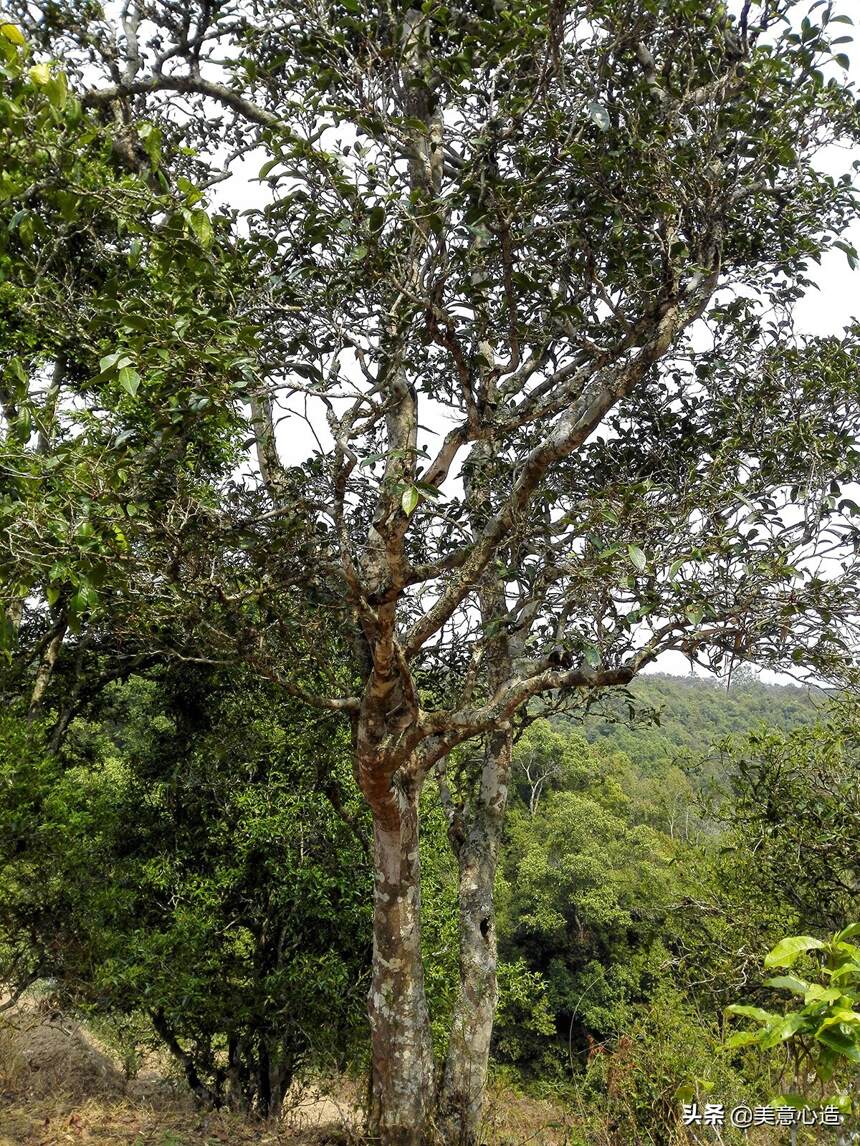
[{"x": 517, "y": 291}]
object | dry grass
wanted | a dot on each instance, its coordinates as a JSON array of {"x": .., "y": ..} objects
[{"x": 59, "y": 1085}]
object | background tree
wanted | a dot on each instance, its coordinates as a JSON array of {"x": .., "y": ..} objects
[
  {"x": 498, "y": 229},
  {"x": 793, "y": 811},
  {"x": 107, "y": 276},
  {"x": 192, "y": 858}
]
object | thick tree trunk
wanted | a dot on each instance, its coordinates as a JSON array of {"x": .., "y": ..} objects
[
  {"x": 465, "y": 1074},
  {"x": 475, "y": 839},
  {"x": 401, "y": 1047}
]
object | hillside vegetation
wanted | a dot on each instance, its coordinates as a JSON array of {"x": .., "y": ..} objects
[{"x": 640, "y": 883}]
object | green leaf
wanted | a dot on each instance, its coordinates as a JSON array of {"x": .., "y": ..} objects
[
  {"x": 12, "y": 33},
  {"x": 842, "y": 1044},
  {"x": 428, "y": 491},
  {"x": 109, "y": 361},
  {"x": 675, "y": 566},
  {"x": 112, "y": 362},
  {"x": 40, "y": 74},
  {"x": 789, "y": 950},
  {"x": 845, "y": 971},
  {"x": 57, "y": 91},
  {"x": 795, "y": 1101},
  {"x": 201, "y": 225},
  {"x": 843, "y": 61},
  {"x": 637, "y": 556},
  {"x": 840, "y": 1016},
  {"x": 26, "y": 230},
  {"x": 409, "y": 499},
  {"x": 743, "y": 1038},
  {"x": 788, "y": 983},
  {"x": 783, "y": 1030},
  {"x": 818, "y": 994},
  {"x": 756, "y": 1013},
  {"x": 847, "y": 933},
  {"x": 129, "y": 379}
]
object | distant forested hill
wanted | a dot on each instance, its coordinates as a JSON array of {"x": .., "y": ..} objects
[{"x": 694, "y": 713}]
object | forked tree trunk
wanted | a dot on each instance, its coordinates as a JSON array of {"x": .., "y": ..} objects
[
  {"x": 464, "y": 1081},
  {"x": 401, "y": 1047}
]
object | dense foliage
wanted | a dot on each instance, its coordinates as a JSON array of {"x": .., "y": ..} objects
[
  {"x": 191, "y": 859},
  {"x": 175, "y": 875},
  {"x": 526, "y": 274}
]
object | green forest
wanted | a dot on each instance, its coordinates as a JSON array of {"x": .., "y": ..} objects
[
  {"x": 178, "y": 867},
  {"x": 390, "y": 394}
]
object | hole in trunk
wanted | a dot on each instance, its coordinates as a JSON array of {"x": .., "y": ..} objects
[{"x": 485, "y": 928}]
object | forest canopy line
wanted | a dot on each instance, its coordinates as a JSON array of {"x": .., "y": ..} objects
[{"x": 517, "y": 292}]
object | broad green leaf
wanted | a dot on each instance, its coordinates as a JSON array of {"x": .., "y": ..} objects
[
  {"x": 129, "y": 379},
  {"x": 637, "y": 556},
  {"x": 113, "y": 362},
  {"x": 842, "y": 1044},
  {"x": 818, "y": 994},
  {"x": 840, "y": 1016},
  {"x": 789, "y": 950},
  {"x": 201, "y": 225},
  {"x": 40, "y": 74},
  {"x": 429, "y": 491},
  {"x": 756, "y": 1013},
  {"x": 847, "y": 933},
  {"x": 788, "y": 983},
  {"x": 845, "y": 971},
  {"x": 12, "y": 33},
  {"x": 783, "y": 1030},
  {"x": 409, "y": 499},
  {"x": 795, "y": 1101},
  {"x": 675, "y": 566},
  {"x": 56, "y": 89},
  {"x": 743, "y": 1038}
]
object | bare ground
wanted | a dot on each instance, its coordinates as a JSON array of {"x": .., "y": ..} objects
[{"x": 58, "y": 1084}]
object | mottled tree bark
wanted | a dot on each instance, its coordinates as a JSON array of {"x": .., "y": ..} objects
[
  {"x": 475, "y": 825},
  {"x": 46, "y": 665},
  {"x": 401, "y": 1047},
  {"x": 465, "y": 1072}
]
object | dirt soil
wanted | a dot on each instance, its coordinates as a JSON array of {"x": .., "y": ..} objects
[{"x": 59, "y": 1085}]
